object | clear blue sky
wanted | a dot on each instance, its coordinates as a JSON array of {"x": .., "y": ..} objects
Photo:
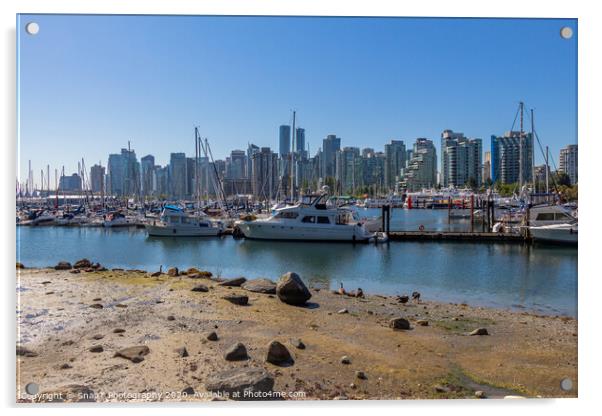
[{"x": 88, "y": 84}]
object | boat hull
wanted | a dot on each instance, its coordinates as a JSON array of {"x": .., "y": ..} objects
[
  {"x": 554, "y": 235},
  {"x": 263, "y": 230},
  {"x": 171, "y": 231}
]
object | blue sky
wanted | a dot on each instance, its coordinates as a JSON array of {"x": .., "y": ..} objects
[{"x": 88, "y": 84}]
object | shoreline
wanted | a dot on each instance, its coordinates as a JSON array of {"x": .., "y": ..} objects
[{"x": 63, "y": 315}]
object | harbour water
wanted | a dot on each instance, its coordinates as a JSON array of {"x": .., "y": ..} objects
[{"x": 541, "y": 279}]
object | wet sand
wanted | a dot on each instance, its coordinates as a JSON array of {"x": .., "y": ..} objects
[{"x": 524, "y": 354}]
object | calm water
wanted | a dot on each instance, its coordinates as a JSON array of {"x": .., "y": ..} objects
[{"x": 538, "y": 278}]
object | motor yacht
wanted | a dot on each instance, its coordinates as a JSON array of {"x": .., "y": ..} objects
[{"x": 175, "y": 222}]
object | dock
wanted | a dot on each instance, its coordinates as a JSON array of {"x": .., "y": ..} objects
[{"x": 472, "y": 237}]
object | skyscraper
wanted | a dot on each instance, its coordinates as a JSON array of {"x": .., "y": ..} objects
[
  {"x": 300, "y": 143},
  {"x": 568, "y": 162},
  {"x": 348, "y": 169},
  {"x": 235, "y": 165},
  {"x": 97, "y": 176},
  {"x": 265, "y": 174},
  {"x": 422, "y": 167},
  {"x": 395, "y": 161},
  {"x": 330, "y": 146},
  {"x": 487, "y": 167},
  {"x": 285, "y": 140},
  {"x": 178, "y": 167},
  {"x": 506, "y": 154},
  {"x": 147, "y": 164},
  {"x": 461, "y": 159},
  {"x": 116, "y": 169}
]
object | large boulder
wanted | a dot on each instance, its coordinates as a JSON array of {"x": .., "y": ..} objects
[
  {"x": 241, "y": 300},
  {"x": 83, "y": 264},
  {"x": 242, "y": 384},
  {"x": 236, "y": 352},
  {"x": 63, "y": 265},
  {"x": 134, "y": 354},
  {"x": 260, "y": 286},
  {"x": 278, "y": 354},
  {"x": 399, "y": 323},
  {"x": 291, "y": 289}
]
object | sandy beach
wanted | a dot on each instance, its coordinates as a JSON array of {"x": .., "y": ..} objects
[{"x": 75, "y": 328}]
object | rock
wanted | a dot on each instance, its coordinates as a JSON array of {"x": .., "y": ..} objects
[
  {"x": 121, "y": 305},
  {"x": 479, "y": 331},
  {"x": 297, "y": 343},
  {"x": 74, "y": 271},
  {"x": 96, "y": 306},
  {"x": 20, "y": 265},
  {"x": 96, "y": 348},
  {"x": 403, "y": 299},
  {"x": 96, "y": 299},
  {"x": 65, "y": 366},
  {"x": 342, "y": 311},
  {"x": 291, "y": 289},
  {"x": 361, "y": 375},
  {"x": 171, "y": 318},
  {"x": 441, "y": 389},
  {"x": 97, "y": 337},
  {"x": 182, "y": 352},
  {"x": 96, "y": 266},
  {"x": 278, "y": 354},
  {"x": 345, "y": 360},
  {"x": 480, "y": 394},
  {"x": 422, "y": 322},
  {"x": 25, "y": 352},
  {"x": 237, "y": 299},
  {"x": 236, "y": 352},
  {"x": 133, "y": 353},
  {"x": 399, "y": 323},
  {"x": 156, "y": 274},
  {"x": 241, "y": 383},
  {"x": 260, "y": 286},
  {"x": 236, "y": 282},
  {"x": 118, "y": 331},
  {"x": 173, "y": 272},
  {"x": 83, "y": 264},
  {"x": 192, "y": 270},
  {"x": 188, "y": 391},
  {"x": 200, "y": 288},
  {"x": 63, "y": 265},
  {"x": 212, "y": 336}
]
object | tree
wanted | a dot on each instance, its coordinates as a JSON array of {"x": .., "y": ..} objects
[{"x": 563, "y": 179}]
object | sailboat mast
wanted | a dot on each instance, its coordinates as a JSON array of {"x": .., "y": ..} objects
[
  {"x": 293, "y": 160},
  {"x": 520, "y": 150},
  {"x": 533, "y": 152}
]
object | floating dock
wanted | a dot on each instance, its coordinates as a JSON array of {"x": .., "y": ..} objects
[{"x": 473, "y": 237}]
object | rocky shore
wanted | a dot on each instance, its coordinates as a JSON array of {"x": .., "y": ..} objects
[{"x": 88, "y": 333}]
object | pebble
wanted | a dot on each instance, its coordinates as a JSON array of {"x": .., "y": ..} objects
[
  {"x": 345, "y": 360},
  {"x": 212, "y": 336},
  {"x": 171, "y": 318},
  {"x": 479, "y": 394},
  {"x": 236, "y": 352},
  {"x": 480, "y": 331},
  {"x": 342, "y": 311},
  {"x": 96, "y": 348},
  {"x": 361, "y": 375},
  {"x": 182, "y": 352}
]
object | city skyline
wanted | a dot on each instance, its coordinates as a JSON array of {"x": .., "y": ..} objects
[{"x": 335, "y": 79}]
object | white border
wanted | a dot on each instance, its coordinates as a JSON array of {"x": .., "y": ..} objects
[{"x": 590, "y": 129}]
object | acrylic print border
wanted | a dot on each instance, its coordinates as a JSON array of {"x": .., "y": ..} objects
[{"x": 582, "y": 269}]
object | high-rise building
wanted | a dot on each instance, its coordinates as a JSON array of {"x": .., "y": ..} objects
[
  {"x": 395, "y": 161},
  {"x": 115, "y": 171},
  {"x": 265, "y": 174},
  {"x": 506, "y": 154},
  {"x": 300, "y": 143},
  {"x": 131, "y": 172},
  {"x": 373, "y": 168},
  {"x": 461, "y": 159},
  {"x": 251, "y": 150},
  {"x": 487, "y": 167},
  {"x": 147, "y": 165},
  {"x": 178, "y": 175},
  {"x": 568, "y": 162},
  {"x": 285, "y": 140},
  {"x": 235, "y": 165},
  {"x": 422, "y": 167},
  {"x": 70, "y": 183},
  {"x": 97, "y": 178},
  {"x": 348, "y": 169},
  {"x": 161, "y": 181},
  {"x": 330, "y": 146}
]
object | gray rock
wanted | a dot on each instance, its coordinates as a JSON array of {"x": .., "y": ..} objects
[
  {"x": 480, "y": 394},
  {"x": 361, "y": 375},
  {"x": 66, "y": 366},
  {"x": 236, "y": 352},
  {"x": 297, "y": 343},
  {"x": 278, "y": 354},
  {"x": 97, "y": 336},
  {"x": 212, "y": 336},
  {"x": 25, "y": 352},
  {"x": 479, "y": 331},
  {"x": 260, "y": 286},
  {"x": 82, "y": 264},
  {"x": 96, "y": 348},
  {"x": 241, "y": 383},
  {"x": 236, "y": 282},
  {"x": 291, "y": 289},
  {"x": 345, "y": 360},
  {"x": 200, "y": 288},
  {"x": 96, "y": 306},
  {"x": 133, "y": 353},
  {"x": 399, "y": 323},
  {"x": 171, "y": 318},
  {"x": 237, "y": 299},
  {"x": 63, "y": 265},
  {"x": 182, "y": 352},
  {"x": 118, "y": 331}
]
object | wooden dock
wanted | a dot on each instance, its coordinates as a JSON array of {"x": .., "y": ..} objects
[{"x": 472, "y": 237}]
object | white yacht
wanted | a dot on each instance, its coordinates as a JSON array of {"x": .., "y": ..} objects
[
  {"x": 309, "y": 220},
  {"x": 553, "y": 223},
  {"x": 555, "y": 233},
  {"x": 117, "y": 219},
  {"x": 550, "y": 215},
  {"x": 174, "y": 222}
]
